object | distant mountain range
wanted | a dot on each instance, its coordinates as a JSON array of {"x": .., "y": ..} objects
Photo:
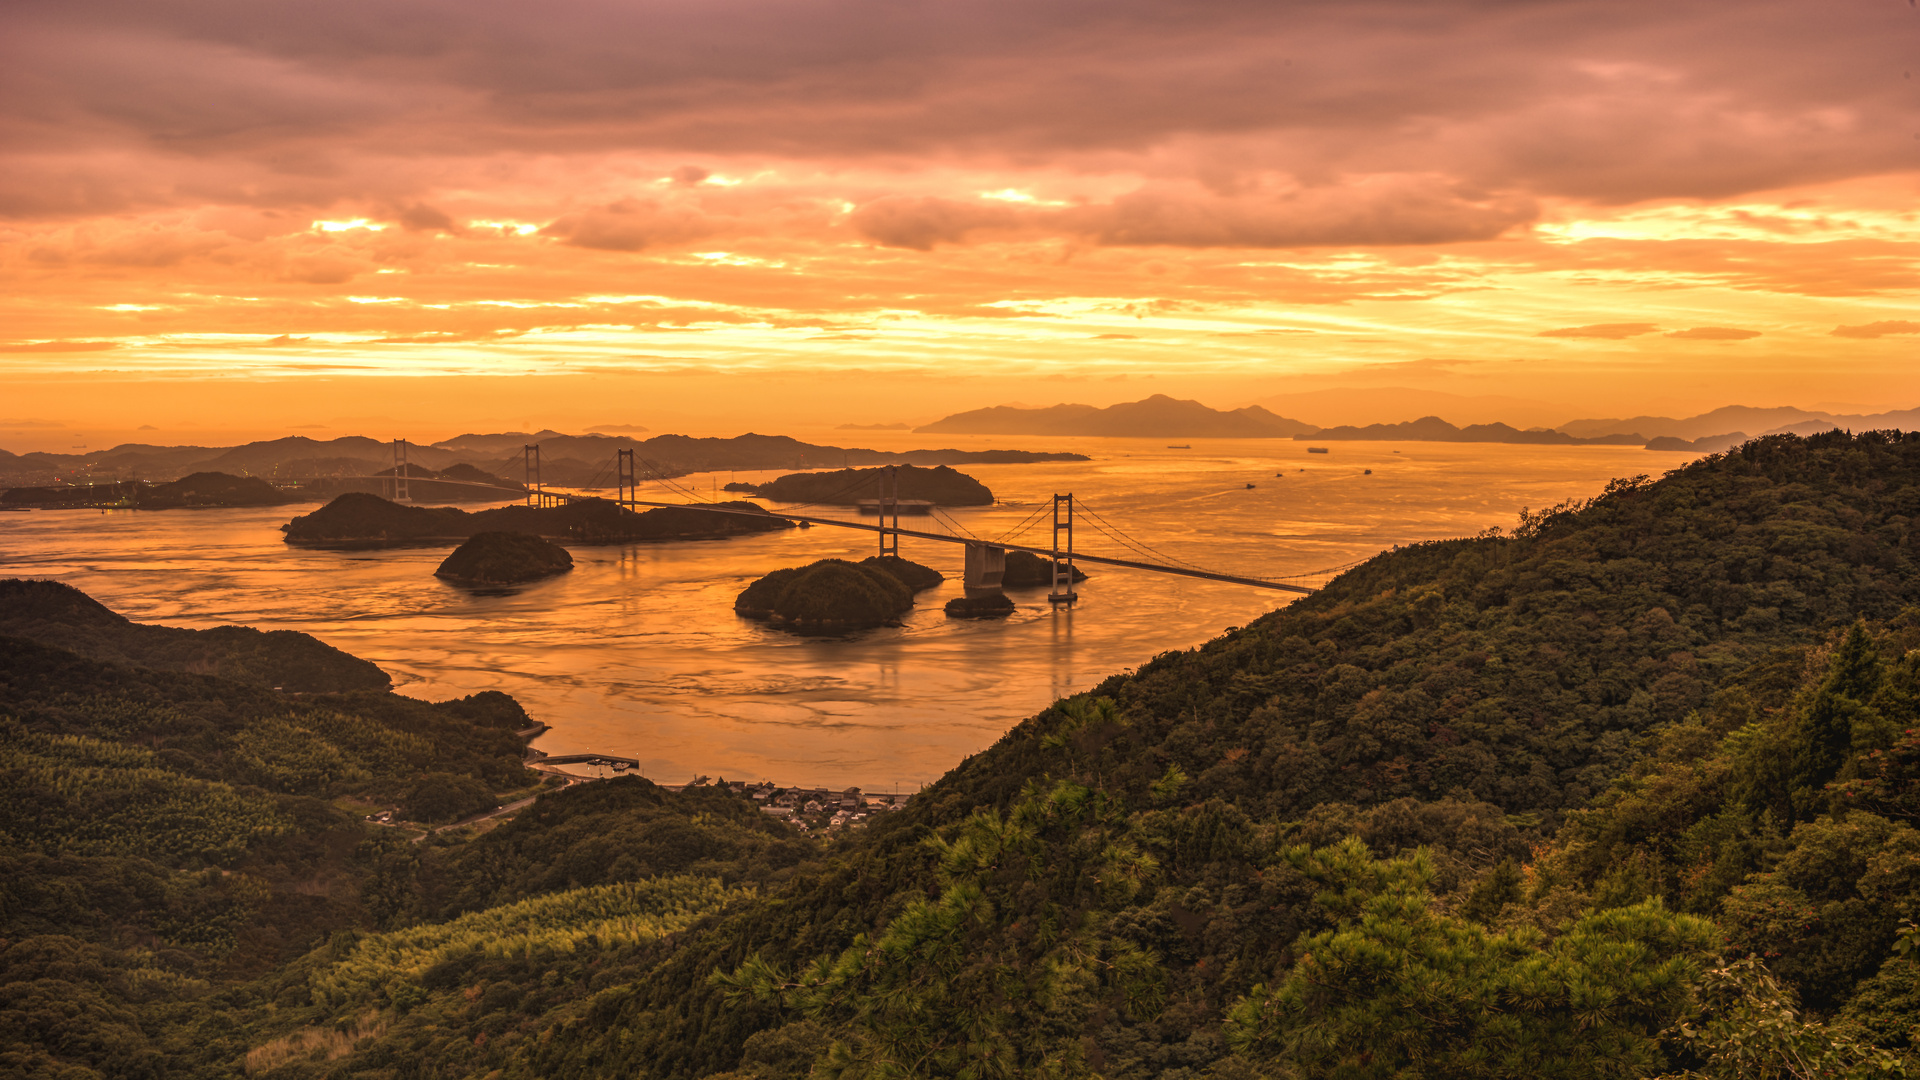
[
  {"x": 1163, "y": 417},
  {"x": 566, "y": 460},
  {"x": 1732, "y": 418},
  {"x": 1157, "y": 417},
  {"x": 1434, "y": 429}
]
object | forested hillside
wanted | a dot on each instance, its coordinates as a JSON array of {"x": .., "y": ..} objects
[{"x": 1628, "y": 791}]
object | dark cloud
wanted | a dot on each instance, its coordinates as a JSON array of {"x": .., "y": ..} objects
[
  {"x": 423, "y": 218},
  {"x": 630, "y": 225},
  {"x": 121, "y": 104},
  {"x": 1375, "y": 211},
  {"x": 322, "y": 270},
  {"x": 921, "y": 223},
  {"x": 1714, "y": 333},
  {"x": 1878, "y": 329},
  {"x": 1609, "y": 331}
]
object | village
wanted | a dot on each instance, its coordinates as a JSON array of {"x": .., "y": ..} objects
[{"x": 809, "y": 809}]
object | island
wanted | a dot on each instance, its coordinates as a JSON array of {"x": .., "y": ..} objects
[
  {"x": 984, "y": 604},
  {"x": 504, "y": 558},
  {"x": 834, "y": 596},
  {"x": 940, "y": 486},
  {"x": 1026, "y": 570},
  {"x": 357, "y": 519},
  {"x": 200, "y": 490}
]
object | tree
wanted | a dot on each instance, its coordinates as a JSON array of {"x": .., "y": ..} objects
[{"x": 1398, "y": 989}]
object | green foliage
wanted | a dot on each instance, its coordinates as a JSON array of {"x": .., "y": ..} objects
[
  {"x": 441, "y": 797},
  {"x": 375, "y": 968},
  {"x": 279, "y": 756},
  {"x": 1398, "y": 988},
  {"x": 945, "y": 989},
  {"x": 1750, "y": 1028},
  {"x": 75, "y": 795}
]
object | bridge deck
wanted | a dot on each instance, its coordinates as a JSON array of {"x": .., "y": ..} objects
[{"x": 944, "y": 538}]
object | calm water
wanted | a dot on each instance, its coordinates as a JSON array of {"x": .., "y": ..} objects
[{"x": 637, "y": 652}]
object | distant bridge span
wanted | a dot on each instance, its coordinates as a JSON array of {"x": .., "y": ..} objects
[{"x": 986, "y": 559}]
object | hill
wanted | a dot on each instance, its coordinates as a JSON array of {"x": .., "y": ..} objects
[
  {"x": 1434, "y": 429},
  {"x": 61, "y": 615},
  {"x": 198, "y": 491},
  {"x": 1627, "y": 791},
  {"x": 1136, "y": 872},
  {"x": 567, "y": 460},
  {"x": 1157, "y": 417}
]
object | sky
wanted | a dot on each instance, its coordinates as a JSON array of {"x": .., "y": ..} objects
[{"x": 225, "y": 217}]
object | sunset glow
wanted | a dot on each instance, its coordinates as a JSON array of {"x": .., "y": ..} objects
[{"x": 212, "y": 211}]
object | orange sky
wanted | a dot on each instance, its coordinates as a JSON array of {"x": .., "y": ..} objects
[{"x": 224, "y": 219}]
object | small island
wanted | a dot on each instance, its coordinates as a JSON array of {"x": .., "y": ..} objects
[
  {"x": 984, "y": 604},
  {"x": 939, "y": 485},
  {"x": 834, "y": 596},
  {"x": 504, "y": 558},
  {"x": 1026, "y": 570}
]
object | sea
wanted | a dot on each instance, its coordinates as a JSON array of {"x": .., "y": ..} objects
[{"x": 637, "y": 652}]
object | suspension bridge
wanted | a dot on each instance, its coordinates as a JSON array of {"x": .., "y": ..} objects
[{"x": 986, "y": 557}]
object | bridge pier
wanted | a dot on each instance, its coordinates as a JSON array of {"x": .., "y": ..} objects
[{"x": 986, "y": 566}]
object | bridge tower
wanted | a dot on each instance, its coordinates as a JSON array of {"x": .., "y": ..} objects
[
  {"x": 890, "y": 503},
  {"x": 627, "y": 478},
  {"x": 1062, "y": 570},
  {"x": 400, "y": 492},
  {"x": 530, "y": 459}
]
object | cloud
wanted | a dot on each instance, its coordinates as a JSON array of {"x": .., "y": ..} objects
[
  {"x": 631, "y": 225},
  {"x": 322, "y": 269},
  {"x": 1609, "y": 331},
  {"x": 1714, "y": 333},
  {"x": 1368, "y": 211},
  {"x": 423, "y": 218},
  {"x": 125, "y": 104},
  {"x": 920, "y": 223},
  {"x": 628, "y": 428},
  {"x": 59, "y": 346},
  {"x": 1878, "y": 329},
  {"x": 22, "y": 422}
]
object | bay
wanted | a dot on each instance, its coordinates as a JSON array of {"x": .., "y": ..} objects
[{"x": 637, "y": 651}]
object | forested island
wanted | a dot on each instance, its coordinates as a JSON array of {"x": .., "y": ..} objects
[
  {"x": 1626, "y": 791},
  {"x": 834, "y": 596},
  {"x": 504, "y": 558},
  {"x": 362, "y": 520},
  {"x": 939, "y": 485}
]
